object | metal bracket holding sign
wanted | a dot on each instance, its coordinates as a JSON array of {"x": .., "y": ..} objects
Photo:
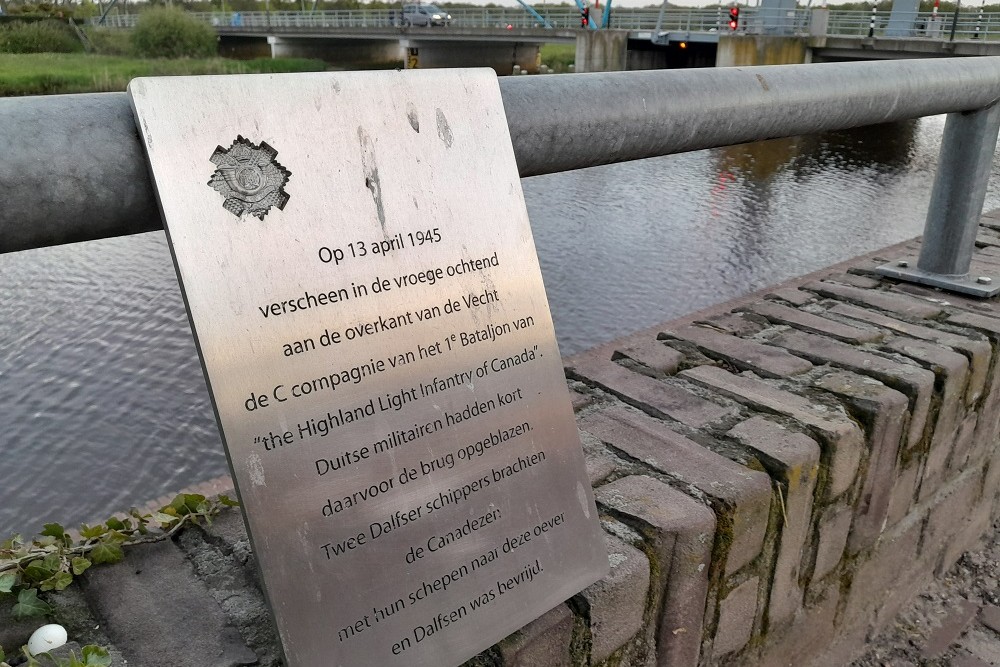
[{"x": 355, "y": 256}]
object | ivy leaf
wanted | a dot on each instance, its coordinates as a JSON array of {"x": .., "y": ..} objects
[
  {"x": 53, "y": 562},
  {"x": 7, "y": 582},
  {"x": 96, "y": 656},
  {"x": 92, "y": 532},
  {"x": 164, "y": 519},
  {"x": 54, "y": 530},
  {"x": 3, "y": 656},
  {"x": 115, "y": 524},
  {"x": 29, "y": 606},
  {"x": 57, "y": 582},
  {"x": 227, "y": 501},
  {"x": 106, "y": 552},
  {"x": 36, "y": 572},
  {"x": 47, "y": 541},
  {"x": 80, "y": 565}
]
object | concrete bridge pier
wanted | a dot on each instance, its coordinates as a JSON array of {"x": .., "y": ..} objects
[
  {"x": 748, "y": 50},
  {"x": 366, "y": 53},
  {"x": 501, "y": 56}
]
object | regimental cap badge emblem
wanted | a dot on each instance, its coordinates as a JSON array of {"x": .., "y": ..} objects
[{"x": 250, "y": 178}]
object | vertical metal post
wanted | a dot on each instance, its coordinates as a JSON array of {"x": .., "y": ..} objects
[
  {"x": 871, "y": 23},
  {"x": 954, "y": 20},
  {"x": 979, "y": 20},
  {"x": 964, "y": 167}
]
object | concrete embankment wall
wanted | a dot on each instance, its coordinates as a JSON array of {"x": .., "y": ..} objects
[{"x": 776, "y": 478}]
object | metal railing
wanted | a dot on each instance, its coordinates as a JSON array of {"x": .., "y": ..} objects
[
  {"x": 104, "y": 189},
  {"x": 962, "y": 25},
  {"x": 942, "y": 26},
  {"x": 493, "y": 17}
]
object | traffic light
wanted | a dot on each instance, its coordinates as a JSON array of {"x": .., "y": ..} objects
[{"x": 734, "y": 18}]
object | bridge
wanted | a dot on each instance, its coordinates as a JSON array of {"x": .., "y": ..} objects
[{"x": 665, "y": 38}]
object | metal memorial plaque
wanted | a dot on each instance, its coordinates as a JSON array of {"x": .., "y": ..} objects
[{"x": 361, "y": 278}]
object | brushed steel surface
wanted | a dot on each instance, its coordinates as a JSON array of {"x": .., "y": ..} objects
[{"x": 373, "y": 158}]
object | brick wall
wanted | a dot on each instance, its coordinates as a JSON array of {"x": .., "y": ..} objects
[{"x": 776, "y": 478}]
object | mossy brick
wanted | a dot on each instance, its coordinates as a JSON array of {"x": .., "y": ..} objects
[
  {"x": 841, "y": 439},
  {"x": 792, "y": 295},
  {"x": 991, "y": 483},
  {"x": 656, "y": 397},
  {"x": 982, "y": 323},
  {"x": 599, "y": 461},
  {"x": 740, "y": 494},
  {"x": 579, "y": 401},
  {"x": 953, "y": 300},
  {"x": 987, "y": 240},
  {"x": 680, "y": 532},
  {"x": 883, "y": 411},
  {"x": 745, "y": 355},
  {"x": 779, "y": 314},
  {"x": 904, "y": 491},
  {"x": 976, "y": 349},
  {"x": 884, "y": 582},
  {"x": 963, "y": 444},
  {"x": 793, "y": 459},
  {"x": 911, "y": 379},
  {"x": 617, "y": 603},
  {"x": 544, "y": 641},
  {"x": 833, "y": 529},
  {"x": 854, "y": 280},
  {"x": 159, "y": 614},
  {"x": 737, "y": 612},
  {"x": 952, "y": 371},
  {"x": 893, "y": 303},
  {"x": 988, "y": 428},
  {"x": 736, "y": 324},
  {"x": 950, "y": 507},
  {"x": 653, "y": 357}
]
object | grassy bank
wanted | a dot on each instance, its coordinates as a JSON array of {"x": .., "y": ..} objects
[
  {"x": 558, "y": 56},
  {"x": 58, "y": 73}
]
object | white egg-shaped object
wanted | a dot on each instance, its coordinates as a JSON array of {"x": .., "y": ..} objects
[{"x": 47, "y": 638}]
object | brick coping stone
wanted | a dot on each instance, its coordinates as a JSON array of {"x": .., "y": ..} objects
[{"x": 778, "y": 476}]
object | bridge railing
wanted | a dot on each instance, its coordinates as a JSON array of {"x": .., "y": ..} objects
[
  {"x": 963, "y": 26},
  {"x": 941, "y": 26},
  {"x": 486, "y": 17},
  {"x": 625, "y": 115}
]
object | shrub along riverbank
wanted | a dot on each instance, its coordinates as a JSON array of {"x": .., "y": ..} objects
[
  {"x": 46, "y": 56},
  {"x": 59, "y": 73}
]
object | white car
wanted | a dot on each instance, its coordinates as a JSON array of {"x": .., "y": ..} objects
[{"x": 425, "y": 15}]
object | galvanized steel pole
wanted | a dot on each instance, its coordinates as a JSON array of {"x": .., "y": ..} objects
[
  {"x": 967, "y": 149},
  {"x": 964, "y": 166},
  {"x": 72, "y": 168}
]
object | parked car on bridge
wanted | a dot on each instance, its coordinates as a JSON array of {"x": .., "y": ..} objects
[{"x": 425, "y": 15}]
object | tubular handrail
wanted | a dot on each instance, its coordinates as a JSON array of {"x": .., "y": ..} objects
[{"x": 83, "y": 153}]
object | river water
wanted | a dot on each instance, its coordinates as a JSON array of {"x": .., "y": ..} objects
[{"x": 102, "y": 401}]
